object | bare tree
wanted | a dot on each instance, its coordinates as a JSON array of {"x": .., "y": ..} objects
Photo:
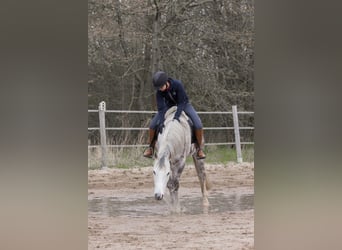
[{"x": 208, "y": 44}]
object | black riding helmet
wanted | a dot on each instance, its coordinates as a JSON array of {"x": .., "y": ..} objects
[{"x": 159, "y": 79}]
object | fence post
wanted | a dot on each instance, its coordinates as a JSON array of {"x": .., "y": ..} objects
[
  {"x": 237, "y": 134},
  {"x": 102, "y": 110}
]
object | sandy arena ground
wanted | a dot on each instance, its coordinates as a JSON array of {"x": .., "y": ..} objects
[{"x": 216, "y": 229}]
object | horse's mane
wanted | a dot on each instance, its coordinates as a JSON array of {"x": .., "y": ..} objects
[{"x": 175, "y": 141}]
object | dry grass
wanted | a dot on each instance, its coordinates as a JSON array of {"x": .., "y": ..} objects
[
  {"x": 118, "y": 157},
  {"x": 132, "y": 157}
]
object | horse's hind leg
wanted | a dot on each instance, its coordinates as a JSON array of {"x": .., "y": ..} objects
[{"x": 203, "y": 179}]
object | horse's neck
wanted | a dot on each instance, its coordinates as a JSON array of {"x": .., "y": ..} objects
[{"x": 174, "y": 142}]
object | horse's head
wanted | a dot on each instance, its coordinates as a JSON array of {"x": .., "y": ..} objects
[{"x": 161, "y": 175}]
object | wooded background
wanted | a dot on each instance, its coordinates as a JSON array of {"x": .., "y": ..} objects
[{"x": 207, "y": 44}]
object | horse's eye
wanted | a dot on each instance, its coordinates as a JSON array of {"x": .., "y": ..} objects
[
  {"x": 168, "y": 173},
  {"x": 154, "y": 172}
]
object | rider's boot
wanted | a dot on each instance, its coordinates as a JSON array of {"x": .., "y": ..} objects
[
  {"x": 149, "y": 151},
  {"x": 200, "y": 143}
]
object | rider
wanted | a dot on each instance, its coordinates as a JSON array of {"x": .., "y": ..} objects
[{"x": 170, "y": 92}]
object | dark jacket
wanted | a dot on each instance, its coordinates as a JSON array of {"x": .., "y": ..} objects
[{"x": 180, "y": 98}]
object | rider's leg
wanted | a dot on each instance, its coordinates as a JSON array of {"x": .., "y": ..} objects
[
  {"x": 152, "y": 135},
  {"x": 200, "y": 143},
  {"x": 190, "y": 111},
  {"x": 149, "y": 151}
]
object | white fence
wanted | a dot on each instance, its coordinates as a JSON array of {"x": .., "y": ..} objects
[{"x": 102, "y": 128}]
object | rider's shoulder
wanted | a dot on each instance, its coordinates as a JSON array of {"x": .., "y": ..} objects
[{"x": 175, "y": 82}]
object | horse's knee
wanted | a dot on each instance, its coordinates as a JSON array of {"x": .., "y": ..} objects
[{"x": 173, "y": 185}]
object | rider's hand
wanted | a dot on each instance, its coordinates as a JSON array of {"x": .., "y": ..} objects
[{"x": 176, "y": 119}]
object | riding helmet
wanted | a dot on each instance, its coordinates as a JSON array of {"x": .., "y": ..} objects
[{"x": 159, "y": 79}]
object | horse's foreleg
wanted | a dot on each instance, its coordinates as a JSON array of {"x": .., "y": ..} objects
[
  {"x": 174, "y": 201},
  {"x": 204, "y": 182},
  {"x": 173, "y": 186},
  {"x": 173, "y": 183}
]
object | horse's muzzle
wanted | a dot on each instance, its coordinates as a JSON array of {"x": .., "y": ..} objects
[{"x": 158, "y": 196}]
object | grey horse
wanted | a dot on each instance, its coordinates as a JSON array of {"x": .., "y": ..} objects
[{"x": 172, "y": 148}]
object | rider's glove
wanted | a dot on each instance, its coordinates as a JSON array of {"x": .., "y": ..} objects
[{"x": 176, "y": 118}]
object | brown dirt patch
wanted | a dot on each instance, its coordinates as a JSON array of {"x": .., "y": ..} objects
[{"x": 220, "y": 230}]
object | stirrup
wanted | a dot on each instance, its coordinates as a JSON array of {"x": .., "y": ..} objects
[{"x": 148, "y": 155}]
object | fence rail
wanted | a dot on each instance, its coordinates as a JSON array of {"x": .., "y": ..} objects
[
  {"x": 102, "y": 128},
  {"x": 154, "y": 112},
  {"x": 205, "y": 128}
]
